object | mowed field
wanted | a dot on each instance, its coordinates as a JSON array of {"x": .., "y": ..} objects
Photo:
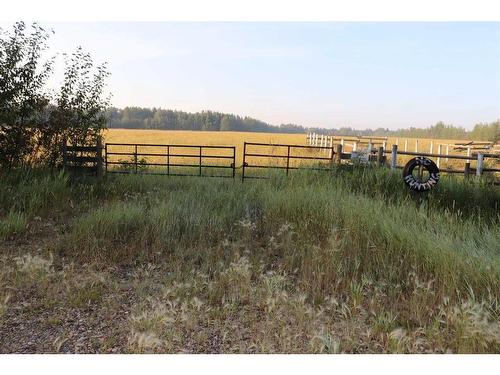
[{"x": 238, "y": 138}]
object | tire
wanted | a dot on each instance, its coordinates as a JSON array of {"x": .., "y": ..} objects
[{"x": 414, "y": 183}]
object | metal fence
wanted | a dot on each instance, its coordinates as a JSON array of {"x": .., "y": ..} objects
[
  {"x": 284, "y": 157},
  {"x": 171, "y": 160}
]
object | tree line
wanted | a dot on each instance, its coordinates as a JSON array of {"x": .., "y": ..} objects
[{"x": 166, "y": 119}]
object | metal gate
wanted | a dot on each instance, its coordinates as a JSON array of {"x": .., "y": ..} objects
[
  {"x": 285, "y": 157},
  {"x": 171, "y": 160}
]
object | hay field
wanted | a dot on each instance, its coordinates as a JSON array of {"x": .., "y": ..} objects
[{"x": 237, "y": 139}]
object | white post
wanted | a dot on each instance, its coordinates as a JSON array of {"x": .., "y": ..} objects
[
  {"x": 406, "y": 144},
  {"x": 479, "y": 167},
  {"x": 416, "y": 145},
  {"x": 394, "y": 156},
  {"x": 431, "y": 148},
  {"x": 355, "y": 146},
  {"x": 468, "y": 151},
  {"x": 447, "y": 152},
  {"x": 384, "y": 144},
  {"x": 439, "y": 157},
  {"x": 397, "y": 141},
  {"x": 369, "y": 147}
]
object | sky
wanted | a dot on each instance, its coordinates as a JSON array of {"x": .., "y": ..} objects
[{"x": 362, "y": 75}]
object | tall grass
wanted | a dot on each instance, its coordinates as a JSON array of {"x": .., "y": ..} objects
[
  {"x": 378, "y": 232},
  {"x": 14, "y": 223},
  {"x": 293, "y": 260}
]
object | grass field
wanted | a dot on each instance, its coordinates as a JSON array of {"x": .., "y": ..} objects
[
  {"x": 237, "y": 139},
  {"x": 348, "y": 261}
]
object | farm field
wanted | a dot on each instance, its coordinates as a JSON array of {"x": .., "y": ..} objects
[
  {"x": 237, "y": 139},
  {"x": 346, "y": 262}
]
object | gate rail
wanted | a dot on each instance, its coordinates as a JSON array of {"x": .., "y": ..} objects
[
  {"x": 171, "y": 151},
  {"x": 287, "y": 157}
]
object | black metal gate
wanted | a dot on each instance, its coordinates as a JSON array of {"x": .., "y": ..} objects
[
  {"x": 285, "y": 157},
  {"x": 171, "y": 160}
]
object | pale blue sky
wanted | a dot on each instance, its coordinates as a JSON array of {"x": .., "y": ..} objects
[{"x": 314, "y": 74}]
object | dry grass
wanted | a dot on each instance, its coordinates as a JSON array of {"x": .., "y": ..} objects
[{"x": 348, "y": 261}]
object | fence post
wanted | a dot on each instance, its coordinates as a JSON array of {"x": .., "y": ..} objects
[
  {"x": 65, "y": 154},
  {"x": 339, "y": 154},
  {"x": 199, "y": 172},
  {"x": 168, "y": 160},
  {"x": 135, "y": 158},
  {"x": 416, "y": 145},
  {"x": 287, "y": 160},
  {"x": 106, "y": 157},
  {"x": 99, "y": 157},
  {"x": 447, "y": 152},
  {"x": 234, "y": 161},
  {"x": 467, "y": 169},
  {"x": 243, "y": 164},
  {"x": 394, "y": 156},
  {"x": 380, "y": 156},
  {"x": 406, "y": 144},
  {"x": 479, "y": 167},
  {"x": 431, "y": 148},
  {"x": 439, "y": 157}
]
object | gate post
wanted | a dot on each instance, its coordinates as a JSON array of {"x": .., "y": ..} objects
[
  {"x": 243, "y": 165},
  {"x": 288, "y": 160},
  {"x": 65, "y": 153},
  {"x": 106, "y": 157},
  {"x": 339, "y": 154},
  {"x": 380, "y": 156},
  {"x": 479, "y": 167},
  {"x": 394, "y": 157},
  {"x": 99, "y": 157},
  {"x": 135, "y": 158},
  {"x": 199, "y": 173}
]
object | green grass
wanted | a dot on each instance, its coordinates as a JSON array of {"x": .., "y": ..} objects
[
  {"x": 322, "y": 257},
  {"x": 13, "y": 224}
]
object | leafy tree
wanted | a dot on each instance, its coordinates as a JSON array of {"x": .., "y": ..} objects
[
  {"x": 79, "y": 114},
  {"x": 23, "y": 102},
  {"x": 33, "y": 124}
]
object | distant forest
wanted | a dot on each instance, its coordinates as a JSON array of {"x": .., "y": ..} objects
[{"x": 165, "y": 119}]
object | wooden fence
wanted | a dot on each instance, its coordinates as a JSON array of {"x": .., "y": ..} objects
[
  {"x": 379, "y": 156},
  {"x": 86, "y": 159}
]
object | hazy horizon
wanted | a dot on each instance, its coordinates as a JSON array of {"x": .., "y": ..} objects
[{"x": 330, "y": 75}]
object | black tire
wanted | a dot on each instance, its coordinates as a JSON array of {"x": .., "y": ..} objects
[{"x": 414, "y": 183}]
